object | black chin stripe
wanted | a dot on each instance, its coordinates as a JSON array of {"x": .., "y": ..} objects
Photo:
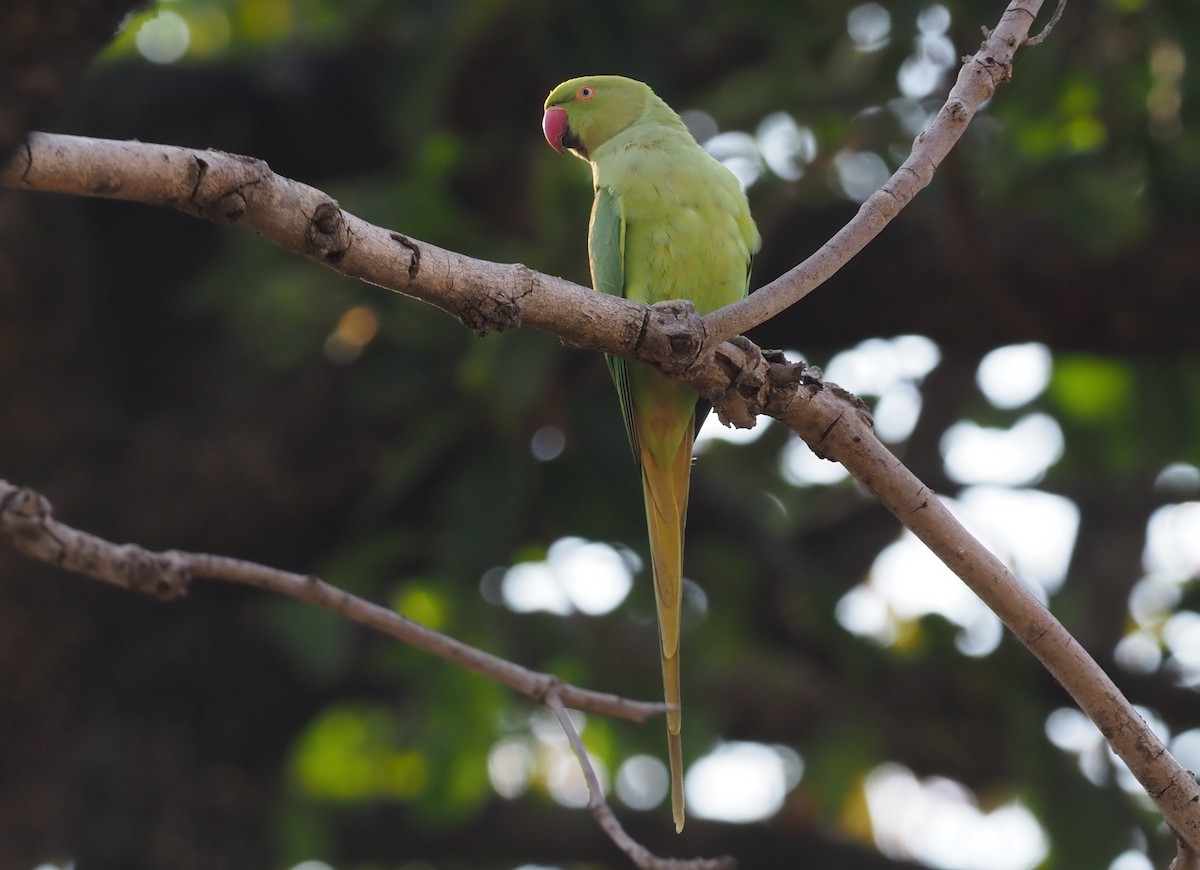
[{"x": 571, "y": 140}]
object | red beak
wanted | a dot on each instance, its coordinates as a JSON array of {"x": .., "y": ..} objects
[{"x": 555, "y": 126}]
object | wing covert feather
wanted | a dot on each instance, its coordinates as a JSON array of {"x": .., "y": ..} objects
[{"x": 606, "y": 252}]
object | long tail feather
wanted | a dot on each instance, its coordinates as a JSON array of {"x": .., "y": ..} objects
[
  {"x": 666, "y": 493},
  {"x": 675, "y": 753}
]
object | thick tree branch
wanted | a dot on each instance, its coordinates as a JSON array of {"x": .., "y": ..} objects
[
  {"x": 230, "y": 188},
  {"x": 27, "y": 520},
  {"x": 977, "y": 81},
  {"x": 837, "y": 426}
]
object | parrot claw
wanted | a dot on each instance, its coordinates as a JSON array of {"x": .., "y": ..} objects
[
  {"x": 676, "y": 306},
  {"x": 675, "y": 333}
]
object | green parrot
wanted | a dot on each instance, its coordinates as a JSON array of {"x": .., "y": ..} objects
[{"x": 668, "y": 222}]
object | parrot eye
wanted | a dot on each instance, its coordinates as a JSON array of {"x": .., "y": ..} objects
[{"x": 585, "y": 93}]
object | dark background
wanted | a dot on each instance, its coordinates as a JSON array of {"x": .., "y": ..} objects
[{"x": 166, "y": 381}]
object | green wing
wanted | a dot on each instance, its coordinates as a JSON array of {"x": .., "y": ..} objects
[
  {"x": 703, "y": 406},
  {"x": 606, "y": 248}
]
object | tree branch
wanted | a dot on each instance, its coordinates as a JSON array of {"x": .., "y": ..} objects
[
  {"x": 235, "y": 189},
  {"x": 977, "y": 81},
  {"x": 27, "y": 519},
  {"x": 599, "y": 808},
  {"x": 837, "y": 426}
]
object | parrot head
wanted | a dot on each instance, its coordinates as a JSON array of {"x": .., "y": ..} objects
[{"x": 584, "y": 113}]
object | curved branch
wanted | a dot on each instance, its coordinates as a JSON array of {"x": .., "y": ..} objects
[
  {"x": 27, "y": 519},
  {"x": 1050, "y": 25},
  {"x": 977, "y": 81}
]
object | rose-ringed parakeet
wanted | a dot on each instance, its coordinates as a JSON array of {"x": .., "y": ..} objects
[{"x": 668, "y": 222}]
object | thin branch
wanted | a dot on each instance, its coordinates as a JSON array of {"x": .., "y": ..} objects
[
  {"x": 26, "y": 518},
  {"x": 599, "y": 808},
  {"x": 1049, "y": 28},
  {"x": 977, "y": 81}
]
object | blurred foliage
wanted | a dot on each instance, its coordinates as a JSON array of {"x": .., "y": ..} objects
[{"x": 214, "y": 393}]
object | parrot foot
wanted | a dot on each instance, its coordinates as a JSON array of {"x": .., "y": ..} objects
[
  {"x": 672, "y": 334},
  {"x": 746, "y": 394}
]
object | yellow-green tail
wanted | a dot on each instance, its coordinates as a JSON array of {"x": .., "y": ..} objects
[{"x": 666, "y": 493}]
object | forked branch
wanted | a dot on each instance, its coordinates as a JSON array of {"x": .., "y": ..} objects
[
  {"x": 229, "y": 188},
  {"x": 642, "y": 857}
]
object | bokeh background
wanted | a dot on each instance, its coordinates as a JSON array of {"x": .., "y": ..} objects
[{"x": 1026, "y": 333}]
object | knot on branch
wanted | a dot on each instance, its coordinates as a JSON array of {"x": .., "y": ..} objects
[
  {"x": 547, "y": 688},
  {"x": 328, "y": 234},
  {"x": 28, "y": 519},
  {"x": 997, "y": 69},
  {"x": 789, "y": 379},
  {"x": 497, "y": 310},
  {"x": 787, "y": 375},
  {"x": 163, "y": 575},
  {"x": 229, "y": 208},
  {"x": 24, "y": 513},
  {"x": 414, "y": 253},
  {"x": 220, "y": 191},
  {"x": 672, "y": 335}
]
